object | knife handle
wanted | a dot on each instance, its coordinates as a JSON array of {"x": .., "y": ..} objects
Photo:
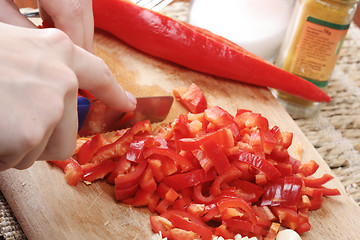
[{"x": 83, "y": 106}]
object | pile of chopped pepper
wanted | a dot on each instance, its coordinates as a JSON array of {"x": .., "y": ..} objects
[{"x": 206, "y": 174}]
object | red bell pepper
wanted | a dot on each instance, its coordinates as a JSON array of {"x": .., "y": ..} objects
[
  {"x": 246, "y": 118},
  {"x": 260, "y": 163},
  {"x": 288, "y": 217},
  {"x": 72, "y": 169},
  {"x": 122, "y": 166},
  {"x": 143, "y": 198},
  {"x": 218, "y": 116},
  {"x": 161, "y": 224},
  {"x": 317, "y": 182},
  {"x": 283, "y": 192},
  {"x": 204, "y": 161},
  {"x": 147, "y": 181},
  {"x": 89, "y": 148},
  {"x": 189, "y": 179},
  {"x": 216, "y": 155},
  {"x": 195, "y": 48},
  {"x": 223, "y": 137},
  {"x": 137, "y": 147},
  {"x": 180, "y": 234},
  {"x": 121, "y": 145},
  {"x": 222, "y": 231},
  {"x": 198, "y": 194},
  {"x": 248, "y": 191},
  {"x": 231, "y": 173},
  {"x": 181, "y": 161},
  {"x": 125, "y": 193},
  {"x": 191, "y": 98},
  {"x": 94, "y": 171},
  {"x": 186, "y": 221},
  {"x": 228, "y": 202},
  {"x": 124, "y": 180},
  {"x": 308, "y": 168}
]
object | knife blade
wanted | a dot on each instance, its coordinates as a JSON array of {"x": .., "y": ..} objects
[{"x": 95, "y": 117}]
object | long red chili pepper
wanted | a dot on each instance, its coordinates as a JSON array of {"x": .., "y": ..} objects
[{"x": 195, "y": 48}]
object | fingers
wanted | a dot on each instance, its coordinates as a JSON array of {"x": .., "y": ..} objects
[
  {"x": 10, "y": 14},
  {"x": 74, "y": 17},
  {"x": 95, "y": 76},
  {"x": 62, "y": 141},
  {"x": 29, "y": 158},
  {"x": 88, "y": 24}
]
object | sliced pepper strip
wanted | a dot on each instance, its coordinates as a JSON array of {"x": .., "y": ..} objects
[
  {"x": 216, "y": 155},
  {"x": 189, "y": 179},
  {"x": 283, "y": 192},
  {"x": 228, "y": 202},
  {"x": 317, "y": 182},
  {"x": 181, "y": 161},
  {"x": 260, "y": 163}
]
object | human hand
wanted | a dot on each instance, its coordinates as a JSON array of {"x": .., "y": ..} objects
[
  {"x": 74, "y": 17},
  {"x": 41, "y": 71},
  {"x": 10, "y": 14}
]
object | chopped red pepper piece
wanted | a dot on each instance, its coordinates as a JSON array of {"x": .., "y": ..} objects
[
  {"x": 216, "y": 155},
  {"x": 317, "y": 182},
  {"x": 283, "y": 192},
  {"x": 126, "y": 192},
  {"x": 72, "y": 169},
  {"x": 230, "y": 174},
  {"x": 260, "y": 163},
  {"x": 218, "y": 116},
  {"x": 226, "y": 202},
  {"x": 147, "y": 181},
  {"x": 189, "y": 179},
  {"x": 181, "y": 161},
  {"x": 308, "y": 168},
  {"x": 88, "y": 149},
  {"x": 223, "y": 137},
  {"x": 124, "y": 180},
  {"x": 94, "y": 171},
  {"x": 189, "y": 222},
  {"x": 192, "y": 98}
]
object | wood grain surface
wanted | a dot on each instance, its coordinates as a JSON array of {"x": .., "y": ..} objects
[{"x": 47, "y": 208}]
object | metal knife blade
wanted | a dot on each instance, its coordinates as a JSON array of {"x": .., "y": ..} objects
[{"x": 101, "y": 119}]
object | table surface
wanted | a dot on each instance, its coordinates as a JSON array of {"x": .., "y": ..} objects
[{"x": 334, "y": 132}]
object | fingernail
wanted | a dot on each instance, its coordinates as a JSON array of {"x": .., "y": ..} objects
[{"x": 132, "y": 98}]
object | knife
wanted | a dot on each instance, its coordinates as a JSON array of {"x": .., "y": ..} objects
[{"x": 95, "y": 117}]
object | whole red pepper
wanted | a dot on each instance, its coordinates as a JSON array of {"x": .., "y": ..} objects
[{"x": 195, "y": 48}]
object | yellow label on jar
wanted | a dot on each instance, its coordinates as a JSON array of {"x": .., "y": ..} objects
[{"x": 317, "y": 50}]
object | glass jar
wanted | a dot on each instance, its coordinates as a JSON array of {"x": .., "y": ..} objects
[
  {"x": 258, "y": 26},
  {"x": 311, "y": 46}
]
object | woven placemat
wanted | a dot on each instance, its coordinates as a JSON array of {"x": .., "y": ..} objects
[{"x": 335, "y": 132}]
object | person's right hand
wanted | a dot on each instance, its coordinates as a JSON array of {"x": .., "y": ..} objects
[{"x": 41, "y": 71}]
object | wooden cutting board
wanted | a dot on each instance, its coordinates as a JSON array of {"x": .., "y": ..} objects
[{"x": 47, "y": 208}]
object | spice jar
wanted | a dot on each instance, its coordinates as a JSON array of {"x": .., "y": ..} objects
[{"x": 311, "y": 46}]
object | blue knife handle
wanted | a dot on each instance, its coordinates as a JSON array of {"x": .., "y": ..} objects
[{"x": 83, "y": 106}]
